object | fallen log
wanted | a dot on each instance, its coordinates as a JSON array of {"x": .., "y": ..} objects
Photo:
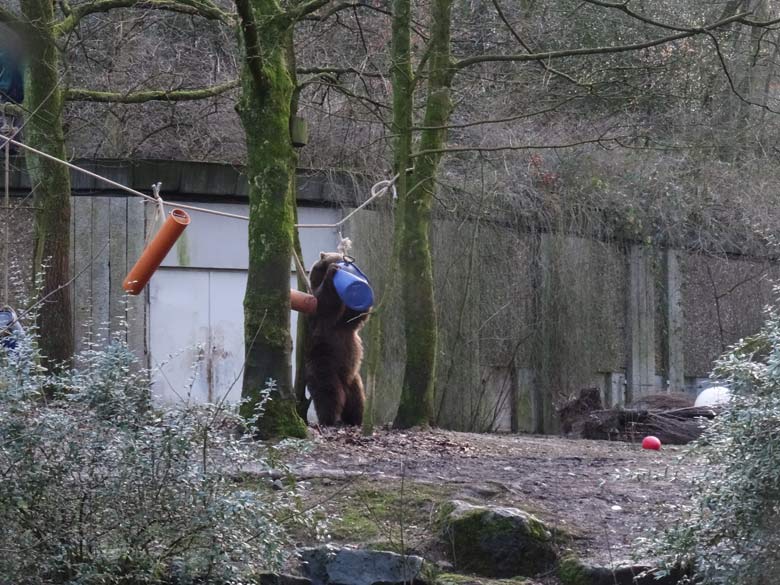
[
  {"x": 672, "y": 427},
  {"x": 674, "y": 420}
]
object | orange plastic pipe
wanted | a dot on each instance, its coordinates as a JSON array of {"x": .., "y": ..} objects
[
  {"x": 302, "y": 302},
  {"x": 156, "y": 251}
]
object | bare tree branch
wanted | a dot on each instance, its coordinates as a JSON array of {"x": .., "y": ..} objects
[
  {"x": 522, "y": 43},
  {"x": 496, "y": 120},
  {"x": 254, "y": 54},
  {"x": 759, "y": 23},
  {"x": 603, "y": 141},
  {"x": 422, "y": 63},
  {"x": 139, "y": 97},
  {"x": 548, "y": 55},
  {"x": 623, "y": 7},
  {"x": 417, "y": 27},
  {"x": 730, "y": 79},
  {"x": 203, "y": 8},
  {"x": 305, "y": 8},
  {"x": 329, "y": 82},
  {"x": 345, "y": 6},
  {"x": 338, "y": 71}
]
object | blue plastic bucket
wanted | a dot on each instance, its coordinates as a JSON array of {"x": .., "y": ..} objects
[
  {"x": 352, "y": 287},
  {"x": 10, "y": 328}
]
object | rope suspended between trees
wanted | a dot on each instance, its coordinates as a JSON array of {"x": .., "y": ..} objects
[{"x": 377, "y": 190}]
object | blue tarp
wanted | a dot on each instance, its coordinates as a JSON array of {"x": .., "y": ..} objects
[{"x": 11, "y": 78}]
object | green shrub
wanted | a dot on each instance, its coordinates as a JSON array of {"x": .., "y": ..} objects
[
  {"x": 730, "y": 531},
  {"x": 97, "y": 487}
]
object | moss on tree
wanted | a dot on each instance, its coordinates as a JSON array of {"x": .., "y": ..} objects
[
  {"x": 414, "y": 248},
  {"x": 267, "y": 87},
  {"x": 44, "y": 131}
]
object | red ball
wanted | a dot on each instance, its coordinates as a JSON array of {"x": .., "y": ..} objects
[{"x": 651, "y": 443}]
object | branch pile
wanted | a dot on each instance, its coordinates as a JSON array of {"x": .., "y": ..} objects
[{"x": 586, "y": 418}]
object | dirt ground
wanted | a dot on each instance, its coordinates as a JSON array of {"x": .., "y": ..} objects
[{"x": 604, "y": 494}]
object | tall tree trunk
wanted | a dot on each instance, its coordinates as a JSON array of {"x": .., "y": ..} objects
[
  {"x": 416, "y": 263},
  {"x": 51, "y": 182},
  {"x": 403, "y": 102},
  {"x": 267, "y": 89}
]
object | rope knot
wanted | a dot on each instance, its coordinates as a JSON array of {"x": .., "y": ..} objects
[{"x": 345, "y": 245}]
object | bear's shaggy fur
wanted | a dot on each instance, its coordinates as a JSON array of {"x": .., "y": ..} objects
[{"x": 334, "y": 350}]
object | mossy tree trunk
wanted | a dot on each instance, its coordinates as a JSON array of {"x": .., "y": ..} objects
[
  {"x": 267, "y": 85},
  {"x": 51, "y": 182},
  {"x": 416, "y": 264},
  {"x": 45, "y": 31}
]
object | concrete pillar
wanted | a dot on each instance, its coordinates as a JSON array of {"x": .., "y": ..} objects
[
  {"x": 614, "y": 389},
  {"x": 675, "y": 370},
  {"x": 545, "y": 419},
  {"x": 641, "y": 323},
  {"x": 523, "y": 389}
]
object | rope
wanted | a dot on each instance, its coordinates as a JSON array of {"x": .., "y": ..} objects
[
  {"x": 159, "y": 213},
  {"x": 7, "y": 242},
  {"x": 378, "y": 190},
  {"x": 345, "y": 245},
  {"x": 302, "y": 271},
  {"x": 160, "y": 202}
]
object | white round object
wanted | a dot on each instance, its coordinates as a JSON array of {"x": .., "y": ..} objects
[
  {"x": 713, "y": 396},
  {"x": 311, "y": 415}
]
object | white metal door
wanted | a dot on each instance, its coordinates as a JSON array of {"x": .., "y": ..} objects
[
  {"x": 179, "y": 334},
  {"x": 226, "y": 324},
  {"x": 196, "y": 334}
]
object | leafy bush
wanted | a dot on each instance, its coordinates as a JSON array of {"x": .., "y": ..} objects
[
  {"x": 730, "y": 531},
  {"x": 96, "y": 487}
]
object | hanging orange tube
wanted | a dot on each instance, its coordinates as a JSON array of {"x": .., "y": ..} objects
[
  {"x": 302, "y": 302},
  {"x": 156, "y": 251}
]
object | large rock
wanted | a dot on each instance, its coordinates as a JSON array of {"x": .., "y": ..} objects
[
  {"x": 328, "y": 565},
  {"x": 274, "y": 579},
  {"x": 572, "y": 571},
  {"x": 497, "y": 542},
  {"x": 455, "y": 579}
]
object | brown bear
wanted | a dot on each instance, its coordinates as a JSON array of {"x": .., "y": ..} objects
[{"x": 334, "y": 350}]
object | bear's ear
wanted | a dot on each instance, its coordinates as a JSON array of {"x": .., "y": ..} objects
[{"x": 322, "y": 255}]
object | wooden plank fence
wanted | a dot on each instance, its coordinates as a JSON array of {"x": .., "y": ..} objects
[{"x": 108, "y": 236}]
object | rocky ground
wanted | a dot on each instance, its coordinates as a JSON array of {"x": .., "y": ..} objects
[{"x": 387, "y": 491}]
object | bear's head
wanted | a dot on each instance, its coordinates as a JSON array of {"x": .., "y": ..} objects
[
  {"x": 329, "y": 303},
  {"x": 320, "y": 268}
]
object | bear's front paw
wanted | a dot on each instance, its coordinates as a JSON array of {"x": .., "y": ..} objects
[{"x": 332, "y": 269}]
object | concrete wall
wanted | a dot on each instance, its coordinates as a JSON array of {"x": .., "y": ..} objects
[
  {"x": 527, "y": 319},
  {"x": 723, "y": 301}
]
